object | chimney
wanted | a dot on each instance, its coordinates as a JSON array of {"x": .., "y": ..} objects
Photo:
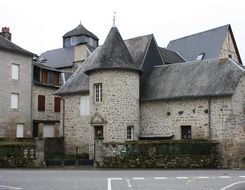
[{"x": 5, "y": 33}]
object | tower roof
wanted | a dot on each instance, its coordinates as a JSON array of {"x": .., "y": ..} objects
[
  {"x": 78, "y": 31},
  {"x": 114, "y": 54}
]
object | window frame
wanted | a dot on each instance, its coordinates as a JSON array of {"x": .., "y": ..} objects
[
  {"x": 130, "y": 132},
  {"x": 186, "y": 132},
  {"x": 22, "y": 125},
  {"x": 98, "y": 92},
  {"x": 12, "y": 103},
  {"x": 14, "y": 65}
]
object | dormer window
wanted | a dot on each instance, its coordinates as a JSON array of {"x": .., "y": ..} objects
[
  {"x": 200, "y": 56},
  {"x": 73, "y": 40}
]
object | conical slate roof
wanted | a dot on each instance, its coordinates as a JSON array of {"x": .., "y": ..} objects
[
  {"x": 78, "y": 31},
  {"x": 114, "y": 54}
]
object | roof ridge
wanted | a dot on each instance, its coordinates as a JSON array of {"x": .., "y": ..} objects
[
  {"x": 227, "y": 25},
  {"x": 139, "y": 37}
]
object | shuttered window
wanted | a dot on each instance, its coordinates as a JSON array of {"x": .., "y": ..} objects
[
  {"x": 44, "y": 76},
  {"x": 84, "y": 105},
  {"x": 56, "y": 104},
  {"x": 41, "y": 103},
  {"x": 14, "y": 101},
  {"x": 15, "y": 71},
  {"x": 56, "y": 79}
]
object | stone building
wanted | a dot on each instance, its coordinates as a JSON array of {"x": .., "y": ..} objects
[
  {"x": 46, "y": 107},
  {"x": 132, "y": 90},
  {"x": 15, "y": 91},
  {"x": 78, "y": 44}
]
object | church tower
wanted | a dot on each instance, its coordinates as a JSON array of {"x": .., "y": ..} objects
[{"x": 114, "y": 91}]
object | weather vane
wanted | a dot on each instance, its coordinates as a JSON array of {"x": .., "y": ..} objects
[{"x": 114, "y": 19}]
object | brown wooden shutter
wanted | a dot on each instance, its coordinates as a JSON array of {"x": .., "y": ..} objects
[
  {"x": 41, "y": 103},
  {"x": 44, "y": 76},
  {"x": 56, "y": 104},
  {"x": 56, "y": 79}
]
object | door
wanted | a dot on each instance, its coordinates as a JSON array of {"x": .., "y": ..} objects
[
  {"x": 20, "y": 130},
  {"x": 98, "y": 132}
]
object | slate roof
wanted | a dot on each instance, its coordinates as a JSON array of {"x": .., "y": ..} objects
[
  {"x": 138, "y": 47},
  {"x": 170, "y": 56},
  {"x": 79, "y": 81},
  {"x": 10, "y": 46},
  {"x": 78, "y": 31},
  {"x": 208, "y": 42},
  {"x": 113, "y": 54},
  {"x": 59, "y": 58},
  {"x": 44, "y": 66},
  {"x": 214, "y": 77}
]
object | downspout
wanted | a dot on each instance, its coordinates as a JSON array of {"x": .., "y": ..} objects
[
  {"x": 209, "y": 119},
  {"x": 63, "y": 130}
]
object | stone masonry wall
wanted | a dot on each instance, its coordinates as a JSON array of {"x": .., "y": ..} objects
[
  {"x": 10, "y": 118},
  {"x": 120, "y": 104},
  {"x": 166, "y": 117},
  {"x": 48, "y": 114},
  {"x": 77, "y": 128}
]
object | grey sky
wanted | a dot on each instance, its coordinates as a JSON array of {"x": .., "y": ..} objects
[{"x": 38, "y": 25}]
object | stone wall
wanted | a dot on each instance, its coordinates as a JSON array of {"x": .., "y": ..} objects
[
  {"x": 228, "y": 48},
  {"x": 120, "y": 103},
  {"x": 160, "y": 154},
  {"x": 77, "y": 128},
  {"x": 224, "y": 122},
  {"x": 10, "y": 118}
]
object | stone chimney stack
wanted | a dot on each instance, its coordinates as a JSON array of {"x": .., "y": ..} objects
[{"x": 5, "y": 33}]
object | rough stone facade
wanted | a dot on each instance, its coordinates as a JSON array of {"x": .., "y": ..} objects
[
  {"x": 220, "y": 118},
  {"x": 77, "y": 128},
  {"x": 9, "y": 118},
  {"x": 120, "y": 103},
  {"x": 49, "y": 116}
]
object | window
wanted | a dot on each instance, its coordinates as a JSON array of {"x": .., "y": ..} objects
[
  {"x": 186, "y": 132},
  {"x": 56, "y": 79},
  {"x": 98, "y": 132},
  {"x": 56, "y": 104},
  {"x": 20, "y": 130},
  {"x": 230, "y": 56},
  {"x": 91, "y": 41},
  {"x": 84, "y": 105},
  {"x": 14, "y": 101},
  {"x": 48, "y": 130},
  {"x": 98, "y": 92},
  {"x": 15, "y": 71},
  {"x": 200, "y": 56},
  {"x": 44, "y": 76},
  {"x": 41, "y": 103},
  {"x": 130, "y": 132},
  {"x": 73, "y": 40}
]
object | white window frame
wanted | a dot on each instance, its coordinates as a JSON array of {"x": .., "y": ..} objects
[
  {"x": 200, "y": 56},
  {"x": 98, "y": 92},
  {"x": 19, "y": 130},
  {"x": 15, "y": 71},
  {"x": 14, "y": 101},
  {"x": 130, "y": 132},
  {"x": 84, "y": 105}
]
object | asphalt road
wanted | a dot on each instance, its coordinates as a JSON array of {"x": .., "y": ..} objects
[{"x": 57, "y": 179}]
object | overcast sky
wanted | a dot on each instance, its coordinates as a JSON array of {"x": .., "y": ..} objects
[{"x": 38, "y": 25}]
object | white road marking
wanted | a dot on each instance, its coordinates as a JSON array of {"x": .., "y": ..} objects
[
  {"x": 231, "y": 185},
  {"x": 9, "y": 187},
  {"x": 109, "y": 182},
  {"x": 182, "y": 177},
  {"x": 203, "y": 177},
  {"x": 242, "y": 176},
  {"x": 160, "y": 178},
  {"x": 138, "y": 178},
  {"x": 224, "y": 177},
  {"x": 129, "y": 184}
]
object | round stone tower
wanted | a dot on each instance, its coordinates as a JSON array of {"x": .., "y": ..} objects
[{"x": 114, "y": 91}]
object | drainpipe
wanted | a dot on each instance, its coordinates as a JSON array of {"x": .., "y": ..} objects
[
  {"x": 63, "y": 129},
  {"x": 209, "y": 119}
]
